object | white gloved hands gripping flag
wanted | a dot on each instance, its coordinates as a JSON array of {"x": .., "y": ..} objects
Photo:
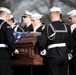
[{"x": 17, "y": 36}]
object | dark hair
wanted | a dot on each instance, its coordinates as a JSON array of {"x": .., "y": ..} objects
[
  {"x": 61, "y": 16},
  {"x": 12, "y": 19},
  {"x": 1, "y": 12}
]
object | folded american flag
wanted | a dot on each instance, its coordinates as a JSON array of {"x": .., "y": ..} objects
[{"x": 18, "y": 35}]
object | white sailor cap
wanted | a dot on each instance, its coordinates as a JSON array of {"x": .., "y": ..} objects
[
  {"x": 11, "y": 16},
  {"x": 54, "y": 9},
  {"x": 72, "y": 13},
  {"x": 36, "y": 16},
  {"x": 5, "y": 9},
  {"x": 27, "y": 13}
]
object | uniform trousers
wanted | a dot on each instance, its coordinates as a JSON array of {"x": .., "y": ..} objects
[
  {"x": 58, "y": 66},
  {"x": 5, "y": 67},
  {"x": 72, "y": 66}
]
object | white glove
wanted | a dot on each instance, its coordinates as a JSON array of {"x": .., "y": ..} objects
[
  {"x": 16, "y": 51},
  {"x": 43, "y": 53},
  {"x": 70, "y": 56}
]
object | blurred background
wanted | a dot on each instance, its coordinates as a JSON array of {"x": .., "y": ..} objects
[{"x": 41, "y": 6}]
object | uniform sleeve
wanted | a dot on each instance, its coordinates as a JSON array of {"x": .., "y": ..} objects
[
  {"x": 74, "y": 34},
  {"x": 42, "y": 39},
  {"x": 70, "y": 42},
  {"x": 9, "y": 37},
  {"x": 74, "y": 42}
]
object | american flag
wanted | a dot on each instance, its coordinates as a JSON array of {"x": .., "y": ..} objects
[{"x": 18, "y": 35}]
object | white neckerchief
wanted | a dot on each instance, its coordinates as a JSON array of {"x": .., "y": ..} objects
[
  {"x": 36, "y": 27},
  {"x": 28, "y": 25},
  {"x": 73, "y": 26}
]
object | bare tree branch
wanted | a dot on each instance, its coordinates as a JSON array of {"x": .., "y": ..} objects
[
  {"x": 51, "y": 2},
  {"x": 4, "y": 4},
  {"x": 69, "y": 3}
]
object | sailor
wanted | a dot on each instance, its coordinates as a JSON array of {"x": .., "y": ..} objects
[
  {"x": 6, "y": 42},
  {"x": 26, "y": 21},
  {"x": 12, "y": 23},
  {"x": 38, "y": 26},
  {"x": 54, "y": 39},
  {"x": 72, "y": 21}
]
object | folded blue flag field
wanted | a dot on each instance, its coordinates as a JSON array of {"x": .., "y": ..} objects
[{"x": 18, "y": 35}]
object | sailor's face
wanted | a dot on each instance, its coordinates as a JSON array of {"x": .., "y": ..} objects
[
  {"x": 7, "y": 16},
  {"x": 72, "y": 19},
  {"x": 27, "y": 19}
]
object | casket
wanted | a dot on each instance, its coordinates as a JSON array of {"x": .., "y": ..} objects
[{"x": 28, "y": 51}]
